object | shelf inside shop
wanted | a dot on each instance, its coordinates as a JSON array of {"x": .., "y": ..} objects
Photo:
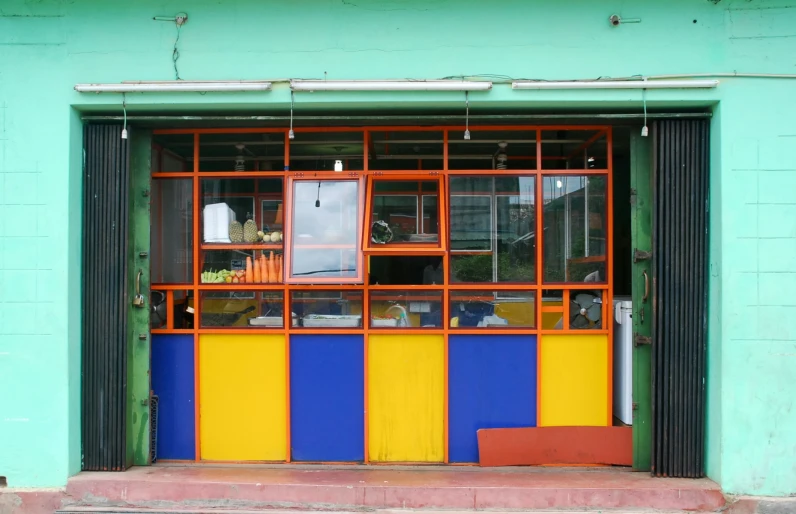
[
  {"x": 241, "y": 287},
  {"x": 233, "y": 246}
]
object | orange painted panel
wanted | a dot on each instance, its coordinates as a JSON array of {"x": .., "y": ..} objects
[{"x": 555, "y": 445}]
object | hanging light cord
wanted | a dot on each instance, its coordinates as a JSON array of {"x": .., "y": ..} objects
[
  {"x": 124, "y": 111},
  {"x": 290, "y": 133},
  {"x": 644, "y": 130},
  {"x": 467, "y": 116}
]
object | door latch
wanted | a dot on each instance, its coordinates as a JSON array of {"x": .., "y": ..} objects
[
  {"x": 138, "y": 300},
  {"x": 639, "y": 340}
]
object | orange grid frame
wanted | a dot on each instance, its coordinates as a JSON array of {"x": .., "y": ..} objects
[{"x": 443, "y": 175}]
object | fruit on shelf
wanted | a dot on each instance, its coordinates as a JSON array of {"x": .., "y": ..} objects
[
  {"x": 250, "y": 231},
  {"x": 216, "y": 277},
  {"x": 236, "y": 232}
]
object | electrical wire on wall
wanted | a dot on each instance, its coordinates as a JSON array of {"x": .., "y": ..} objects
[
  {"x": 178, "y": 20},
  {"x": 175, "y": 55}
]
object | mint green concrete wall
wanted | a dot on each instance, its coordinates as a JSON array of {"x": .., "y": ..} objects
[{"x": 49, "y": 45}]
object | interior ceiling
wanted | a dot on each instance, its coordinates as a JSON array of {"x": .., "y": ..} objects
[{"x": 216, "y": 120}]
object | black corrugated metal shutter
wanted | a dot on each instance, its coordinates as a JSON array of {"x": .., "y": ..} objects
[
  {"x": 106, "y": 184},
  {"x": 680, "y": 266}
]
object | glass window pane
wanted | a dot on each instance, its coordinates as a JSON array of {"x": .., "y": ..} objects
[
  {"x": 404, "y": 212},
  {"x": 229, "y": 204},
  {"x": 325, "y": 217},
  {"x": 229, "y": 267},
  {"x": 180, "y": 316},
  {"x": 171, "y": 236},
  {"x": 492, "y": 309},
  {"x": 586, "y": 310},
  {"x": 492, "y": 150},
  {"x": 172, "y": 153},
  {"x": 242, "y": 152},
  {"x": 401, "y": 150},
  {"x": 553, "y": 309},
  {"x": 574, "y": 150},
  {"x": 493, "y": 229},
  {"x": 241, "y": 309},
  {"x": 575, "y": 228},
  {"x": 406, "y": 309},
  {"x": 332, "y": 309},
  {"x": 390, "y": 270},
  {"x": 318, "y": 151}
]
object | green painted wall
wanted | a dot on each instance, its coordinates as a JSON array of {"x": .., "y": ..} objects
[{"x": 49, "y": 45}]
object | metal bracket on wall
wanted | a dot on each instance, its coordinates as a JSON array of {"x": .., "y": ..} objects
[
  {"x": 640, "y": 255},
  {"x": 639, "y": 340}
]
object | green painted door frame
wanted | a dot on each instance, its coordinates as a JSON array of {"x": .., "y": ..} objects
[
  {"x": 641, "y": 236},
  {"x": 138, "y": 336}
]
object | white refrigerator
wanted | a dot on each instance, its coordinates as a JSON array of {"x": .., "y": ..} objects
[{"x": 623, "y": 359}]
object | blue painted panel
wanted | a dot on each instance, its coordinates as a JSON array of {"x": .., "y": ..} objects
[
  {"x": 491, "y": 384},
  {"x": 173, "y": 383},
  {"x": 327, "y": 397}
]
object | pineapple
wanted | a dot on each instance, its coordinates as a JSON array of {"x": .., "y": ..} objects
[
  {"x": 236, "y": 232},
  {"x": 250, "y": 230}
]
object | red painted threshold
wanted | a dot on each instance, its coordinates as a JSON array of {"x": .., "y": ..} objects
[
  {"x": 358, "y": 488},
  {"x": 555, "y": 445}
]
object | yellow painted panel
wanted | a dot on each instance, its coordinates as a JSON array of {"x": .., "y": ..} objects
[
  {"x": 405, "y": 398},
  {"x": 242, "y": 397},
  {"x": 574, "y": 373}
]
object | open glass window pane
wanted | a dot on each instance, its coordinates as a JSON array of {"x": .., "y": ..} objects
[
  {"x": 172, "y": 231},
  {"x": 242, "y": 152},
  {"x": 325, "y": 232},
  {"x": 245, "y": 213},
  {"x": 574, "y": 228},
  {"x": 406, "y": 309},
  {"x": 493, "y": 229},
  {"x": 327, "y": 309},
  {"x": 492, "y": 309},
  {"x": 404, "y": 212}
]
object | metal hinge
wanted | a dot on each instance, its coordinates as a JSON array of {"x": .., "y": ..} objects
[
  {"x": 635, "y": 406},
  {"x": 641, "y": 255},
  {"x": 639, "y": 340}
]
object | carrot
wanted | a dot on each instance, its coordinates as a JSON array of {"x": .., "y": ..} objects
[
  {"x": 249, "y": 274},
  {"x": 272, "y": 268},
  {"x": 263, "y": 268},
  {"x": 256, "y": 272},
  {"x": 279, "y": 271}
]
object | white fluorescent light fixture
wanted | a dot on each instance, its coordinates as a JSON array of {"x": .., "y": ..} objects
[
  {"x": 174, "y": 86},
  {"x": 617, "y": 84},
  {"x": 389, "y": 85}
]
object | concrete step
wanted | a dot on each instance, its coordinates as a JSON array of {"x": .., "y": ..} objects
[
  {"x": 110, "y": 510},
  {"x": 357, "y": 489}
]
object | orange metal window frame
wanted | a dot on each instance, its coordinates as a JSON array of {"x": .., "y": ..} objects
[{"x": 537, "y": 287}]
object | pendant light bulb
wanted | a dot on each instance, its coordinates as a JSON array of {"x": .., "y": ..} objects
[
  {"x": 466, "y": 135},
  {"x": 291, "y": 135},
  {"x": 124, "y": 133}
]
